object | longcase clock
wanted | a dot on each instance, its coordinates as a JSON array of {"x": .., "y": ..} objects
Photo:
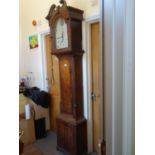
[{"x": 66, "y": 31}]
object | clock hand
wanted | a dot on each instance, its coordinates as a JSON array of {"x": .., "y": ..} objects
[
  {"x": 62, "y": 32},
  {"x": 62, "y": 37}
]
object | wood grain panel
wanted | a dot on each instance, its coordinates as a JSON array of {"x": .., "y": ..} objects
[
  {"x": 66, "y": 83},
  {"x": 95, "y": 51},
  {"x": 53, "y": 82}
]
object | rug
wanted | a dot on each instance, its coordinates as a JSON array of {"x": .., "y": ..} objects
[{"x": 32, "y": 149}]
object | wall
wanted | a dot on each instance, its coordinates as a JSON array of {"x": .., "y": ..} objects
[
  {"x": 91, "y": 8},
  {"x": 31, "y": 60}
]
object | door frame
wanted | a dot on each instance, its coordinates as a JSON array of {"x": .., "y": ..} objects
[
  {"x": 41, "y": 36},
  {"x": 87, "y": 38}
]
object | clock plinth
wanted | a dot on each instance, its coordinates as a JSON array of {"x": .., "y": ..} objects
[
  {"x": 71, "y": 124},
  {"x": 71, "y": 135}
]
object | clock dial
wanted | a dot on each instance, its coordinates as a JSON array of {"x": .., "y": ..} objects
[{"x": 61, "y": 34}]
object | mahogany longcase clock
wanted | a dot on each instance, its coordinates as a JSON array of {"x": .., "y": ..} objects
[{"x": 66, "y": 32}]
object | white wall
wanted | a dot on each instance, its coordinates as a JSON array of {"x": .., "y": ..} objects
[
  {"x": 31, "y": 60},
  {"x": 91, "y": 8}
]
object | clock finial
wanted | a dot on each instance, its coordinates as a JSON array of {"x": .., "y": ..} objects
[
  {"x": 50, "y": 11},
  {"x": 63, "y": 2}
]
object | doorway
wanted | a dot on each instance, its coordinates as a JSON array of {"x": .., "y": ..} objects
[
  {"x": 95, "y": 84},
  {"x": 53, "y": 82}
]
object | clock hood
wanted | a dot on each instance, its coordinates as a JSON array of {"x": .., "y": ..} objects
[{"x": 64, "y": 11}]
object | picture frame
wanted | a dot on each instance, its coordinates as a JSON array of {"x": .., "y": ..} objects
[{"x": 33, "y": 41}]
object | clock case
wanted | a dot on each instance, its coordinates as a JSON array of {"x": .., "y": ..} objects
[{"x": 71, "y": 124}]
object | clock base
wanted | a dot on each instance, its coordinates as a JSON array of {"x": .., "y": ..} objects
[{"x": 71, "y": 135}]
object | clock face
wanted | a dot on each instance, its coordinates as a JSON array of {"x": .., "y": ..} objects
[{"x": 61, "y": 34}]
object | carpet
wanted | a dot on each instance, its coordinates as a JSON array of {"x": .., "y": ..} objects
[
  {"x": 48, "y": 145},
  {"x": 32, "y": 149}
]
